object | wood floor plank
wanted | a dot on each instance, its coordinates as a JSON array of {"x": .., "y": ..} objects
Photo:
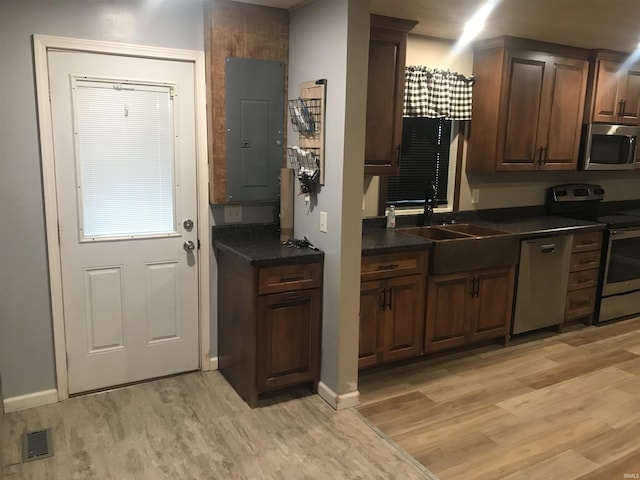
[
  {"x": 611, "y": 445},
  {"x": 452, "y": 451},
  {"x": 509, "y": 460},
  {"x": 397, "y": 413},
  {"x": 627, "y": 466},
  {"x": 576, "y": 367},
  {"x": 567, "y": 465},
  {"x": 564, "y": 406}
]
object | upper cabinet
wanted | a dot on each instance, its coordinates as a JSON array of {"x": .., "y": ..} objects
[
  {"x": 528, "y": 104},
  {"x": 385, "y": 94},
  {"x": 614, "y": 89}
]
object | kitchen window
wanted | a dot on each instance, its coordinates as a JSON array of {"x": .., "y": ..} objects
[{"x": 429, "y": 151}]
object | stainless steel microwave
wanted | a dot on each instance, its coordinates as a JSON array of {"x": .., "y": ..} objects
[{"x": 609, "y": 147}]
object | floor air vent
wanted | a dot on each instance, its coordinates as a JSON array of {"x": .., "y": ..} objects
[{"x": 36, "y": 445}]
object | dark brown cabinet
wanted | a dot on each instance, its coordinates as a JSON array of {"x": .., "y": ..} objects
[
  {"x": 269, "y": 325},
  {"x": 528, "y": 104},
  {"x": 583, "y": 277},
  {"x": 614, "y": 89},
  {"x": 468, "y": 307},
  {"x": 392, "y": 307},
  {"x": 385, "y": 94}
]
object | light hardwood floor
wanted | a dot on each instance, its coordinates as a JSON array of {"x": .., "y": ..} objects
[
  {"x": 195, "y": 427},
  {"x": 561, "y": 407}
]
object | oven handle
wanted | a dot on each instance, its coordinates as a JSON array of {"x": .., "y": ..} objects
[
  {"x": 632, "y": 150},
  {"x": 625, "y": 233}
]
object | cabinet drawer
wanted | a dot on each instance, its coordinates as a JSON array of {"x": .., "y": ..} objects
[
  {"x": 584, "y": 242},
  {"x": 375, "y": 267},
  {"x": 284, "y": 278},
  {"x": 583, "y": 279},
  {"x": 585, "y": 261},
  {"x": 580, "y": 303}
]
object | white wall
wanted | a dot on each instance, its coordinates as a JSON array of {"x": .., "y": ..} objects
[
  {"x": 26, "y": 342},
  {"x": 330, "y": 39}
]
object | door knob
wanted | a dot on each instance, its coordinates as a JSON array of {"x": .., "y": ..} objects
[{"x": 189, "y": 246}]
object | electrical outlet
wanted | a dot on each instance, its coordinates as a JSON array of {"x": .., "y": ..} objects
[
  {"x": 233, "y": 214},
  {"x": 475, "y": 195},
  {"x": 323, "y": 222}
]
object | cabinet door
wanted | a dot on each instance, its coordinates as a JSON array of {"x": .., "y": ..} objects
[
  {"x": 447, "y": 314},
  {"x": 371, "y": 302},
  {"x": 492, "y": 304},
  {"x": 607, "y": 97},
  {"x": 385, "y": 96},
  {"x": 403, "y": 317},
  {"x": 631, "y": 105},
  {"x": 288, "y": 335},
  {"x": 519, "y": 135},
  {"x": 562, "y": 111}
]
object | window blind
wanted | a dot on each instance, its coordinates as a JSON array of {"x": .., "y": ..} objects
[
  {"x": 424, "y": 158},
  {"x": 125, "y": 158}
]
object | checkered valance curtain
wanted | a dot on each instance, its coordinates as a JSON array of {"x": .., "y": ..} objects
[{"x": 434, "y": 93}]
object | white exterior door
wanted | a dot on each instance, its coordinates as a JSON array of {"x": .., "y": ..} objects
[{"x": 125, "y": 166}]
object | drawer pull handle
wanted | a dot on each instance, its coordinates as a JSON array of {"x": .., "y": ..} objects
[
  {"x": 388, "y": 267},
  {"x": 582, "y": 302},
  {"x": 583, "y": 280},
  {"x": 290, "y": 298},
  {"x": 291, "y": 279},
  {"x": 587, "y": 260}
]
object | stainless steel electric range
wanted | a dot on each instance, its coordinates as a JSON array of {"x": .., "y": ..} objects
[{"x": 619, "y": 283}]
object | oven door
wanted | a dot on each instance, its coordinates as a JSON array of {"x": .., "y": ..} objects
[{"x": 622, "y": 273}]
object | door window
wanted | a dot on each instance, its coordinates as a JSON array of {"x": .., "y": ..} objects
[{"x": 125, "y": 159}]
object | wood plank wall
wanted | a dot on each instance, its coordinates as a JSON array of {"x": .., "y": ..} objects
[{"x": 234, "y": 29}]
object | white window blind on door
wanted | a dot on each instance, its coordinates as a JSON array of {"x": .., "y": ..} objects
[{"x": 125, "y": 159}]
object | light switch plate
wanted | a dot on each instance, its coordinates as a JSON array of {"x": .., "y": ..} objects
[
  {"x": 475, "y": 195},
  {"x": 232, "y": 214},
  {"x": 323, "y": 222}
]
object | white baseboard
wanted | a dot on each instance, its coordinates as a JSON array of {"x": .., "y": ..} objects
[
  {"x": 339, "y": 402},
  {"x": 213, "y": 364},
  {"x": 30, "y": 400}
]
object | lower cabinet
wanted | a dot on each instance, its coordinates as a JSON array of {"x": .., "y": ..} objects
[
  {"x": 468, "y": 307},
  {"x": 583, "y": 277},
  {"x": 288, "y": 329},
  {"x": 269, "y": 325},
  {"x": 392, "y": 307}
]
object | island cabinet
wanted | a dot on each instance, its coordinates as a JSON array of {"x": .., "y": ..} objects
[
  {"x": 528, "y": 104},
  {"x": 269, "y": 322},
  {"x": 614, "y": 89},
  {"x": 468, "y": 307},
  {"x": 583, "y": 277},
  {"x": 385, "y": 94},
  {"x": 392, "y": 299}
]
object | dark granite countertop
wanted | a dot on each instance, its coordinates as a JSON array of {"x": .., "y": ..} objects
[
  {"x": 541, "y": 226},
  {"x": 259, "y": 245},
  {"x": 384, "y": 240}
]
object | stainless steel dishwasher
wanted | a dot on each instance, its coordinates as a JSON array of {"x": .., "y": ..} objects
[{"x": 542, "y": 282}]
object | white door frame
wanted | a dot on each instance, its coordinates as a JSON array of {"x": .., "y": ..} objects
[{"x": 43, "y": 43}]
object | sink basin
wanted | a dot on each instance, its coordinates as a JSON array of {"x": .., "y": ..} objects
[
  {"x": 474, "y": 230},
  {"x": 432, "y": 233},
  {"x": 465, "y": 247}
]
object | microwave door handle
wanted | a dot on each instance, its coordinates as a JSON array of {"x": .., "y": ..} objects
[{"x": 632, "y": 150}]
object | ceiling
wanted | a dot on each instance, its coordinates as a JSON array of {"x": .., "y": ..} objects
[{"x": 610, "y": 24}]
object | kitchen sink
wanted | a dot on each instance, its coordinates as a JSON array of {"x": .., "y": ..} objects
[
  {"x": 474, "y": 230},
  {"x": 464, "y": 247}
]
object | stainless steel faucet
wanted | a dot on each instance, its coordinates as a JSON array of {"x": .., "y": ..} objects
[{"x": 430, "y": 202}]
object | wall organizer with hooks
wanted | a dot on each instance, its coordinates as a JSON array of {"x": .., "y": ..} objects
[{"x": 307, "y": 115}]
